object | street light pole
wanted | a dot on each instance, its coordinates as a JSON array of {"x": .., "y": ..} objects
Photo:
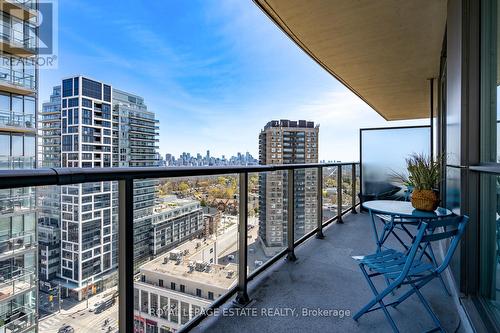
[
  {"x": 87, "y": 293},
  {"x": 59, "y": 289}
]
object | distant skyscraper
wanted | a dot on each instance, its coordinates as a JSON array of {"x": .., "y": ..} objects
[{"x": 287, "y": 142}]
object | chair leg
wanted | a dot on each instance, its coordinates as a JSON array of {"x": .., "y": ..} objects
[
  {"x": 410, "y": 292},
  {"x": 378, "y": 299},
  {"x": 434, "y": 261},
  {"x": 428, "y": 308}
]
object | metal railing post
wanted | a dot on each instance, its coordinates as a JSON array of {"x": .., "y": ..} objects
[
  {"x": 339, "y": 194},
  {"x": 126, "y": 255},
  {"x": 291, "y": 215},
  {"x": 242, "y": 298},
  {"x": 319, "y": 208},
  {"x": 353, "y": 189}
]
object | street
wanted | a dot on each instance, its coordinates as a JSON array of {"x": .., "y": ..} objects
[{"x": 77, "y": 315}]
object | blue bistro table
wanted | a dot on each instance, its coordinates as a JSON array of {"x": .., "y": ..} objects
[{"x": 401, "y": 214}]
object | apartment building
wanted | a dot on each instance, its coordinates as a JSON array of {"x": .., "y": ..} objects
[
  {"x": 49, "y": 197},
  {"x": 176, "y": 286},
  {"x": 87, "y": 123},
  {"x": 287, "y": 142},
  {"x": 135, "y": 144},
  {"x": 18, "y": 110},
  {"x": 174, "y": 222},
  {"x": 88, "y": 211}
]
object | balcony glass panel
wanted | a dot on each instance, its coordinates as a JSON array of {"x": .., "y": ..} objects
[
  {"x": 379, "y": 163},
  {"x": 305, "y": 201},
  {"x": 78, "y": 257},
  {"x": 267, "y": 217},
  {"x": 185, "y": 248},
  {"x": 329, "y": 193}
]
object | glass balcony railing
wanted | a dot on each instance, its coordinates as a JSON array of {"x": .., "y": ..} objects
[
  {"x": 14, "y": 281},
  {"x": 13, "y": 119},
  {"x": 17, "y": 162},
  {"x": 16, "y": 37},
  {"x": 13, "y": 244},
  {"x": 20, "y": 320},
  {"x": 17, "y": 78},
  {"x": 30, "y": 4},
  {"x": 198, "y": 243}
]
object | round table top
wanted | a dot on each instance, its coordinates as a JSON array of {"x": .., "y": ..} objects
[{"x": 403, "y": 209}]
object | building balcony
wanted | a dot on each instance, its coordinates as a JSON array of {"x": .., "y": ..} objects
[
  {"x": 22, "y": 9},
  {"x": 21, "y": 319},
  {"x": 324, "y": 276},
  {"x": 15, "y": 282},
  {"x": 16, "y": 82},
  {"x": 17, "y": 42},
  {"x": 12, "y": 245},
  {"x": 15, "y": 122}
]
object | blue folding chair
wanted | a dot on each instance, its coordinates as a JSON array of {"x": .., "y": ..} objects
[{"x": 409, "y": 268}]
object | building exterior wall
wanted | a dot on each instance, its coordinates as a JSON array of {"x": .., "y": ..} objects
[
  {"x": 18, "y": 121},
  {"x": 88, "y": 211},
  {"x": 175, "y": 226}
]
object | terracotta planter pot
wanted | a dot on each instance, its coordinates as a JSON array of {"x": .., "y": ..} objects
[{"x": 426, "y": 200}]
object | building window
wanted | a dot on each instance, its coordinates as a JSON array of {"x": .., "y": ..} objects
[
  {"x": 67, "y": 87},
  {"x": 91, "y": 88},
  {"x": 160, "y": 283},
  {"x": 198, "y": 292},
  {"x": 183, "y": 288},
  {"x": 210, "y": 295},
  {"x": 172, "y": 285}
]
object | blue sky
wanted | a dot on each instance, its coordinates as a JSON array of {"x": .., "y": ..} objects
[{"x": 214, "y": 72}]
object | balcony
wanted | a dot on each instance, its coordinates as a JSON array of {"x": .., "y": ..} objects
[
  {"x": 22, "y": 9},
  {"x": 324, "y": 276},
  {"x": 16, "y": 244},
  {"x": 16, "y": 281},
  {"x": 15, "y": 41},
  {"x": 17, "y": 82},
  {"x": 20, "y": 320},
  {"x": 16, "y": 122}
]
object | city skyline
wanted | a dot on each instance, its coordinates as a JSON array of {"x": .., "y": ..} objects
[{"x": 204, "y": 77}]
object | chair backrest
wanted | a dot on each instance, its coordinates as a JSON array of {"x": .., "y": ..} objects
[{"x": 453, "y": 228}]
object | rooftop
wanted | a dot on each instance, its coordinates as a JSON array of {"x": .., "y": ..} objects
[
  {"x": 171, "y": 203},
  {"x": 222, "y": 276}
]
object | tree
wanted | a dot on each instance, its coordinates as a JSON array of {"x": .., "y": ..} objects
[{"x": 183, "y": 187}]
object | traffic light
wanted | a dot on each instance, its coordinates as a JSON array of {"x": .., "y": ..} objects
[{"x": 51, "y": 298}]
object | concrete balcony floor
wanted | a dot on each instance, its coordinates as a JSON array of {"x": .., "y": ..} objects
[{"x": 325, "y": 277}]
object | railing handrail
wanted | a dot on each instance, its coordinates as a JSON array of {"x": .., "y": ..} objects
[{"x": 68, "y": 176}]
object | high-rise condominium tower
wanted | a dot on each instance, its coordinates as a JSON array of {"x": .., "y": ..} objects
[
  {"x": 89, "y": 235},
  {"x": 99, "y": 127},
  {"x": 287, "y": 142},
  {"x": 135, "y": 144},
  {"x": 18, "y": 100}
]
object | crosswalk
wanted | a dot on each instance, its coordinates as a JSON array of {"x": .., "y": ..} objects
[
  {"x": 50, "y": 324},
  {"x": 112, "y": 322},
  {"x": 90, "y": 324}
]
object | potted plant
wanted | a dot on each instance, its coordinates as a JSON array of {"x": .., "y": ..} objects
[{"x": 424, "y": 175}]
